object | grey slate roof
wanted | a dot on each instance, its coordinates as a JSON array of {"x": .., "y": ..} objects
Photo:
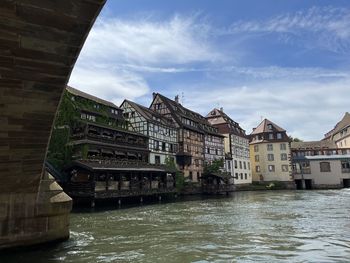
[
  {"x": 178, "y": 111},
  {"x": 150, "y": 115},
  {"x": 90, "y": 97}
]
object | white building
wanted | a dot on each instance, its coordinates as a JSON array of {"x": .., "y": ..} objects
[{"x": 236, "y": 146}]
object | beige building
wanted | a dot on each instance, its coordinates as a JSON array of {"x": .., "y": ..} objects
[
  {"x": 320, "y": 165},
  {"x": 322, "y": 172},
  {"x": 270, "y": 153},
  {"x": 340, "y": 134},
  {"x": 237, "y": 161}
]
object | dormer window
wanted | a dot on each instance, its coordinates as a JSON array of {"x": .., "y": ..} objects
[{"x": 269, "y": 126}]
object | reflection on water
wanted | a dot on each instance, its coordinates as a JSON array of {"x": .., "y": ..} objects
[{"x": 279, "y": 226}]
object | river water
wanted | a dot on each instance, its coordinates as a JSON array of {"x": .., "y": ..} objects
[{"x": 270, "y": 226}]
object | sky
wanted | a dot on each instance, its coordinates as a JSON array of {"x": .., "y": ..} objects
[{"x": 287, "y": 61}]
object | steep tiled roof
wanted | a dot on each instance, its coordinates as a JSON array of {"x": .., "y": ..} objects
[
  {"x": 224, "y": 123},
  {"x": 149, "y": 114},
  {"x": 90, "y": 97},
  {"x": 344, "y": 122},
  {"x": 178, "y": 111},
  {"x": 264, "y": 127},
  {"x": 313, "y": 145}
]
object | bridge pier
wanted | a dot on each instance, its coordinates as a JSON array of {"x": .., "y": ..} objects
[{"x": 40, "y": 41}]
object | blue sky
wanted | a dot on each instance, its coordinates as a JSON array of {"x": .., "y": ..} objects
[{"x": 287, "y": 61}]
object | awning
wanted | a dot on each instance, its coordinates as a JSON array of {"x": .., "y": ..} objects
[{"x": 119, "y": 153}]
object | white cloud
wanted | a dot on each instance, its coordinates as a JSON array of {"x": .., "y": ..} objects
[
  {"x": 329, "y": 26},
  {"x": 176, "y": 41},
  {"x": 107, "y": 84},
  {"x": 117, "y": 50},
  {"x": 305, "y": 109}
]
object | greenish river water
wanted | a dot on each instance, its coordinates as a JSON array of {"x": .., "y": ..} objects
[{"x": 272, "y": 226}]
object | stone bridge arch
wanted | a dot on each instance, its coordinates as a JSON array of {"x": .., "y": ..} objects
[{"x": 40, "y": 41}]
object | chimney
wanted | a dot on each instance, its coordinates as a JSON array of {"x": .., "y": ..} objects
[
  {"x": 177, "y": 98},
  {"x": 154, "y": 94},
  {"x": 254, "y": 129},
  {"x": 222, "y": 109}
]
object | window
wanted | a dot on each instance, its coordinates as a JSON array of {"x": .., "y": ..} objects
[
  {"x": 244, "y": 165},
  {"x": 191, "y": 176},
  {"x": 270, "y": 147},
  {"x": 208, "y": 150},
  {"x": 196, "y": 162},
  {"x": 257, "y": 168},
  {"x": 257, "y": 158},
  {"x": 325, "y": 167},
  {"x": 229, "y": 165},
  {"x": 270, "y": 136},
  {"x": 256, "y": 148},
  {"x": 156, "y": 145},
  {"x": 216, "y": 151},
  {"x": 248, "y": 165},
  {"x": 236, "y": 166},
  {"x": 163, "y": 146},
  {"x": 245, "y": 176},
  {"x": 283, "y": 146},
  {"x": 236, "y": 175},
  {"x": 271, "y": 168},
  {"x": 157, "y": 159},
  {"x": 270, "y": 157},
  {"x": 241, "y": 176},
  {"x": 269, "y": 126},
  {"x": 284, "y": 168},
  {"x": 171, "y": 147},
  {"x": 279, "y": 136},
  {"x": 284, "y": 156},
  {"x": 240, "y": 164}
]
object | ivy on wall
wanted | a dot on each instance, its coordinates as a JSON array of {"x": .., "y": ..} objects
[{"x": 60, "y": 153}]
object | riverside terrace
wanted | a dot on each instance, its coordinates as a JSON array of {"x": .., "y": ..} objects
[{"x": 90, "y": 180}]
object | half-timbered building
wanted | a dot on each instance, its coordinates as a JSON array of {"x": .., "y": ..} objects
[
  {"x": 195, "y": 132},
  {"x": 104, "y": 153},
  {"x": 161, "y": 131}
]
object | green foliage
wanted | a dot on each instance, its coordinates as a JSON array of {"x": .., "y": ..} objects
[
  {"x": 59, "y": 153},
  {"x": 295, "y": 139},
  {"x": 213, "y": 167},
  {"x": 179, "y": 177}
]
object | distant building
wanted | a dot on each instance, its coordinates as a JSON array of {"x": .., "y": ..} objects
[
  {"x": 237, "y": 158},
  {"x": 340, "y": 134},
  {"x": 270, "y": 153},
  {"x": 101, "y": 158},
  {"x": 161, "y": 131},
  {"x": 197, "y": 139},
  {"x": 320, "y": 165}
]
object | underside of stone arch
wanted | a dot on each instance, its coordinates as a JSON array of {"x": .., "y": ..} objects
[{"x": 40, "y": 41}]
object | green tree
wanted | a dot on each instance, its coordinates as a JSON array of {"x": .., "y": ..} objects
[{"x": 214, "y": 167}]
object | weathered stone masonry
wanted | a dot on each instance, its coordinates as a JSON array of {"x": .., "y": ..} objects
[{"x": 39, "y": 44}]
